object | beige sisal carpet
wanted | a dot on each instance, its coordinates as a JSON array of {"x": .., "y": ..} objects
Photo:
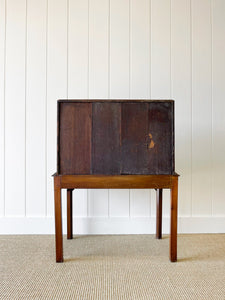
[{"x": 112, "y": 267}]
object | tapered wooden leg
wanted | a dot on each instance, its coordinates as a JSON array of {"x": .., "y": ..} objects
[
  {"x": 69, "y": 214},
  {"x": 58, "y": 221},
  {"x": 173, "y": 221},
  {"x": 159, "y": 213}
]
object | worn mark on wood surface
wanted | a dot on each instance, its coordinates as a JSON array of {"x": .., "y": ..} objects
[{"x": 152, "y": 143}]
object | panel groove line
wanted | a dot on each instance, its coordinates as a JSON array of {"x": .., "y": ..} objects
[
  {"x": 46, "y": 106},
  {"x": 2, "y": 103},
  {"x": 15, "y": 108},
  {"x": 25, "y": 118}
]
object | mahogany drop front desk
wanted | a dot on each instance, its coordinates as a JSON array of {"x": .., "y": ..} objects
[{"x": 115, "y": 144}]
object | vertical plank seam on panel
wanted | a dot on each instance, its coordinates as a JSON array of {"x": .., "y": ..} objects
[
  {"x": 88, "y": 68},
  {"x": 149, "y": 57},
  {"x": 130, "y": 52},
  {"x": 25, "y": 119},
  {"x": 4, "y": 108},
  {"x": 46, "y": 100},
  {"x": 212, "y": 169},
  {"x": 67, "y": 65},
  {"x": 150, "y": 80},
  {"x": 109, "y": 27},
  {"x": 67, "y": 49},
  {"x": 108, "y": 80},
  {"x": 171, "y": 91},
  {"x": 191, "y": 100},
  {"x": 129, "y": 75},
  {"x": 150, "y": 49},
  {"x": 88, "y": 54}
]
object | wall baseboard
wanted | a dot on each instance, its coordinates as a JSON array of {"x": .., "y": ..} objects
[{"x": 115, "y": 225}]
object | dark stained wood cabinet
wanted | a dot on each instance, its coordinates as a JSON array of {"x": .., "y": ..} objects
[
  {"x": 115, "y": 144},
  {"x": 115, "y": 137}
]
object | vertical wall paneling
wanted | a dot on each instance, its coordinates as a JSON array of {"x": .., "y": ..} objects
[
  {"x": 56, "y": 83},
  {"x": 157, "y": 49},
  {"x": 119, "y": 203},
  {"x": 98, "y": 48},
  {"x": 15, "y": 108},
  {"x": 160, "y": 49},
  {"x": 78, "y": 74},
  {"x": 139, "y": 81},
  {"x": 181, "y": 93},
  {"x": 78, "y": 49},
  {"x": 2, "y": 106},
  {"x": 98, "y": 203},
  {"x": 139, "y": 49},
  {"x": 161, "y": 65},
  {"x": 201, "y": 108},
  {"x": 98, "y": 81},
  {"x": 36, "y": 108},
  {"x": 140, "y": 203},
  {"x": 218, "y": 108},
  {"x": 119, "y": 49},
  {"x": 119, "y": 78}
]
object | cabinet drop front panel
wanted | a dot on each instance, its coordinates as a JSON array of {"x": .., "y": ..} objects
[{"x": 115, "y": 137}]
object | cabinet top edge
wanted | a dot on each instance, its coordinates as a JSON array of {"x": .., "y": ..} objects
[{"x": 112, "y": 100}]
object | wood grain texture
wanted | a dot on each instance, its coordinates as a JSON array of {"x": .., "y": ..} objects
[
  {"x": 119, "y": 181},
  {"x": 75, "y": 138},
  {"x": 161, "y": 131},
  {"x": 134, "y": 133},
  {"x": 58, "y": 220},
  {"x": 110, "y": 138},
  {"x": 147, "y": 138},
  {"x": 173, "y": 220},
  {"x": 106, "y": 123},
  {"x": 116, "y": 181}
]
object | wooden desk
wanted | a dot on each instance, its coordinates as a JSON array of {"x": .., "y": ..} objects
[{"x": 115, "y": 144}]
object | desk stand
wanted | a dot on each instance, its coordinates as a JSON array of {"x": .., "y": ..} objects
[{"x": 158, "y": 182}]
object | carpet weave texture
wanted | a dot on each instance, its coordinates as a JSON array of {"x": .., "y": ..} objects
[{"x": 112, "y": 267}]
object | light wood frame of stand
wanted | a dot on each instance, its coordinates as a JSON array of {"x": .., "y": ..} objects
[{"x": 157, "y": 182}]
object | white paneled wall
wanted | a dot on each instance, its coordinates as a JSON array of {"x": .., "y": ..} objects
[{"x": 137, "y": 49}]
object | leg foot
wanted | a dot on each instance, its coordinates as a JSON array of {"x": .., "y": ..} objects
[
  {"x": 58, "y": 221},
  {"x": 173, "y": 221}
]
